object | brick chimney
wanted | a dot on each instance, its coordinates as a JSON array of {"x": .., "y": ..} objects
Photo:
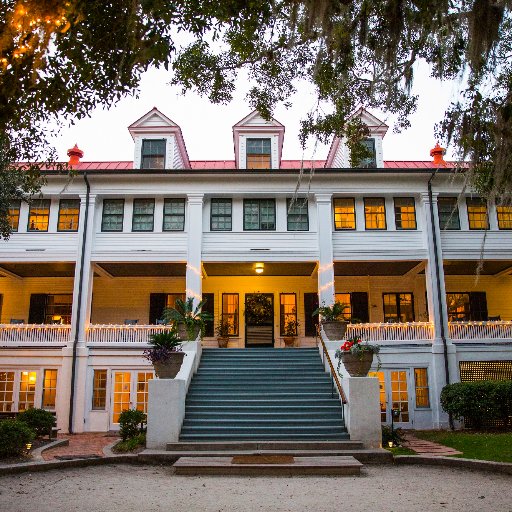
[
  {"x": 74, "y": 155},
  {"x": 437, "y": 152}
]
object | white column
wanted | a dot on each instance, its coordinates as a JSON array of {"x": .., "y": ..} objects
[
  {"x": 325, "y": 253},
  {"x": 195, "y": 236}
]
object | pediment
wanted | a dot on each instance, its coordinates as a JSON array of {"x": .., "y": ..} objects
[
  {"x": 153, "y": 119},
  {"x": 254, "y": 119}
]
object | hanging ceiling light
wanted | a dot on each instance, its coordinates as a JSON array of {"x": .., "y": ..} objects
[{"x": 259, "y": 267}]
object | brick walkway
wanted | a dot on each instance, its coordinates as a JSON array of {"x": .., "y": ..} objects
[
  {"x": 428, "y": 448},
  {"x": 81, "y": 444}
]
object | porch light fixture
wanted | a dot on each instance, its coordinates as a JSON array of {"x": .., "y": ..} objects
[{"x": 259, "y": 267}]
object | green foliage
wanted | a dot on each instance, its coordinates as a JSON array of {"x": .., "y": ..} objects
[
  {"x": 131, "y": 444},
  {"x": 478, "y": 402},
  {"x": 396, "y": 436},
  {"x": 38, "y": 420},
  {"x": 291, "y": 328},
  {"x": 331, "y": 313},
  {"x": 131, "y": 422},
  {"x": 14, "y": 435},
  {"x": 185, "y": 312},
  {"x": 258, "y": 308},
  {"x": 166, "y": 339},
  {"x": 223, "y": 327}
]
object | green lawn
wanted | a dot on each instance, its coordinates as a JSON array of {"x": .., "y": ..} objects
[
  {"x": 473, "y": 445},
  {"x": 400, "y": 450}
]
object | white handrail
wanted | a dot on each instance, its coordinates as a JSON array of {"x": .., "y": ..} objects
[
  {"x": 34, "y": 333},
  {"x": 109, "y": 333},
  {"x": 392, "y": 332},
  {"x": 494, "y": 329}
]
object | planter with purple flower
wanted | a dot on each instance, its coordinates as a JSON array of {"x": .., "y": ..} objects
[{"x": 165, "y": 353}]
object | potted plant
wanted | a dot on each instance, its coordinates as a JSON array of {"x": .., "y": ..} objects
[
  {"x": 165, "y": 353},
  {"x": 333, "y": 322},
  {"x": 357, "y": 356},
  {"x": 290, "y": 332},
  {"x": 222, "y": 331},
  {"x": 189, "y": 319}
]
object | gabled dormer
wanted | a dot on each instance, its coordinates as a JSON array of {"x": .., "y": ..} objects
[
  {"x": 258, "y": 143},
  {"x": 159, "y": 143},
  {"x": 339, "y": 155}
]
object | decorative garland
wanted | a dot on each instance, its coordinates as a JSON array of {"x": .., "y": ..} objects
[{"x": 258, "y": 308}]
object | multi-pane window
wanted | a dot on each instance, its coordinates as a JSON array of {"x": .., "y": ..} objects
[
  {"x": 288, "y": 312},
  {"x": 172, "y": 298},
  {"x": 174, "y": 215},
  {"x": 69, "y": 212},
  {"x": 143, "y": 379},
  {"x": 14, "y": 215},
  {"x": 259, "y": 215},
  {"x": 369, "y": 161},
  {"x": 382, "y": 394},
  {"x": 504, "y": 212},
  {"x": 153, "y": 154},
  {"x": 405, "y": 213},
  {"x": 477, "y": 213},
  {"x": 421, "y": 386},
  {"x": 448, "y": 213},
  {"x": 400, "y": 395},
  {"x": 39, "y": 215},
  {"x": 58, "y": 309},
  {"x": 121, "y": 395},
  {"x": 230, "y": 312},
  {"x": 374, "y": 213},
  {"x": 6, "y": 391},
  {"x": 143, "y": 214},
  {"x": 398, "y": 307},
  {"x": 344, "y": 213},
  {"x": 297, "y": 217},
  {"x": 458, "y": 306},
  {"x": 344, "y": 298},
  {"x": 220, "y": 215},
  {"x": 27, "y": 392},
  {"x": 99, "y": 390},
  {"x": 49, "y": 389},
  {"x": 113, "y": 212},
  {"x": 258, "y": 154}
]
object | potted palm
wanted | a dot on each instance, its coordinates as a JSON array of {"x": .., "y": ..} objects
[
  {"x": 290, "y": 332},
  {"x": 357, "y": 356},
  {"x": 333, "y": 322},
  {"x": 223, "y": 331},
  {"x": 189, "y": 318},
  {"x": 165, "y": 353}
]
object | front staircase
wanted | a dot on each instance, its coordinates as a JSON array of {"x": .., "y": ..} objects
[{"x": 260, "y": 395}]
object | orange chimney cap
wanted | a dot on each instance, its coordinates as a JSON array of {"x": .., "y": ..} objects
[
  {"x": 75, "y": 153},
  {"x": 437, "y": 153}
]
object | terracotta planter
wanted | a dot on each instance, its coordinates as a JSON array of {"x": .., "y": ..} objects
[
  {"x": 222, "y": 341},
  {"x": 334, "y": 329},
  {"x": 289, "y": 341},
  {"x": 356, "y": 366},
  {"x": 169, "y": 369},
  {"x": 183, "y": 334}
]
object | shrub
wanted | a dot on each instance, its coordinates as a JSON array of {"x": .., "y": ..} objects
[
  {"x": 131, "y": 423},
  {"x": 396, "y": 436},
  {"x": 14, "y": 435},
  {"x": 39, "y": 420},
  {"x": 130, "y": 444},
  {"x": 478, "y": 402}
]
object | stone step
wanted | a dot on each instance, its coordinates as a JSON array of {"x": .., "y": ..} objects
[
  {"x": 264, "y": 409},
  {"x": 288, "y": 436},
  {"x": 270, "y": 465},
  {"x": 258, "y": 422},
  {"x": 259, "y": 386},
  {"x": 253, "y": 446},
  {"x": 204, "y": 394},
  {"x": 262, "y": 415},
  {"x": 266, "y": 402}
]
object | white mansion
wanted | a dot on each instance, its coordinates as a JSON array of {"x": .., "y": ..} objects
[{"x": 91, "y": 265}]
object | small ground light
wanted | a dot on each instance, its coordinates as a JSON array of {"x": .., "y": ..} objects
[
  {"x": 390, "y": 444},
  {"x": 28, "y": 446}
]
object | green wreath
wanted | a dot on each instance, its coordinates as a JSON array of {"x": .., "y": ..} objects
[{"x": 258, "y": 308}]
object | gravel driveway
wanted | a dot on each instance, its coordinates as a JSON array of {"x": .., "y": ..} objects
[{"x": 146, "y": 488}]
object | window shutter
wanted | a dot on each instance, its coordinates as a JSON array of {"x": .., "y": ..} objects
[
  {"x": 360, "y": 306},
  {"x": 209, "y": 308},
  {"x": 310, "y": 322},
  {"x": 478, "y": 306},
  {"x": 37, "y": 311},
  {"x": 156, "y": 306}
]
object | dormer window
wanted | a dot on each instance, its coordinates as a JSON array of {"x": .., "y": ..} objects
[
  {"x": 153, "y": 154},
  {"x": 258, "y": 154},
  {"x": 370, "y": 162}
]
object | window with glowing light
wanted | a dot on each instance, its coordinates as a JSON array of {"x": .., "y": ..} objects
[
  {"x": 477, "y": 213},
  {"x": 69, "y": 212},
  {"x": 382, "y": 394},
  {"x": 143, "y": 379},
  {"x": 421, "y": 388},
  {"x": 6, "y": 391},
  {"x": 121, "y": 395},
  {"x": 49, "y": 389},
  {"x": 405, "y": 213},
  {"x": 14, "y": 215},
  {"x": 344, "y": 213},
  {"x": 288, "y": 311},
  {"x": 38, "y": 215},
  {"x": 58, "y": 309},
  {"x": 99, "y": 390},
  {"x": 504, "y": 213},
  {"x": 398, "y": 307},
  {"x": 400, "y": 395},
  {"x": 345, "y": 298},
  {"x": 374, "y": 213},
  {"x": 27, "y": 391},
  {"x": 258, "y": 154},
  {"x": 230, "y": 312}
]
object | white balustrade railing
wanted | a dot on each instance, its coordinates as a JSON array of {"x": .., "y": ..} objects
[
  {"x": 412, "y": 332},
  {"x": 103, "y": 334},
  {"x": 495, "y": 329},
  {"x": 19, "y": 334}
]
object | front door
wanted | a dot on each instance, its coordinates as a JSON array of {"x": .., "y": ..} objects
[{"x": 259, "y": 320}]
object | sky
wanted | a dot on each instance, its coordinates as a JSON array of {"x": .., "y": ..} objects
[{"x": 207, "y": 128}]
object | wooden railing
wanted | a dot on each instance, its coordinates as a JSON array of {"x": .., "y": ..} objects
[
  {"x": 334, "y": 373},
  {"x": 100, "y": 334},
  {"x": 412, "y": 332},
  {"x": 495, "y": 329},
  {"x": 18, "y": 334}
]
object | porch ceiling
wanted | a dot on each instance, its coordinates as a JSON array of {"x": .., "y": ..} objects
[
  {"x": 144, "y": 269},
  {"x": 303, "y": 268},
  {"x": 469, "y": 267},
  {"x": 40, "y": 269},
  {"x": 373, "y": 268}
]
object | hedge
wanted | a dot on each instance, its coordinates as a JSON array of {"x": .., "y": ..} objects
[{"x": 479, "y": 403}]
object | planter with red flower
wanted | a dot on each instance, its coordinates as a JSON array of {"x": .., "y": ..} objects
[{"x": 357, "y": 356}]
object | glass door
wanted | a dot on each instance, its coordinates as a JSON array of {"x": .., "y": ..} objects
[{"x": 259, "y": 320}]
